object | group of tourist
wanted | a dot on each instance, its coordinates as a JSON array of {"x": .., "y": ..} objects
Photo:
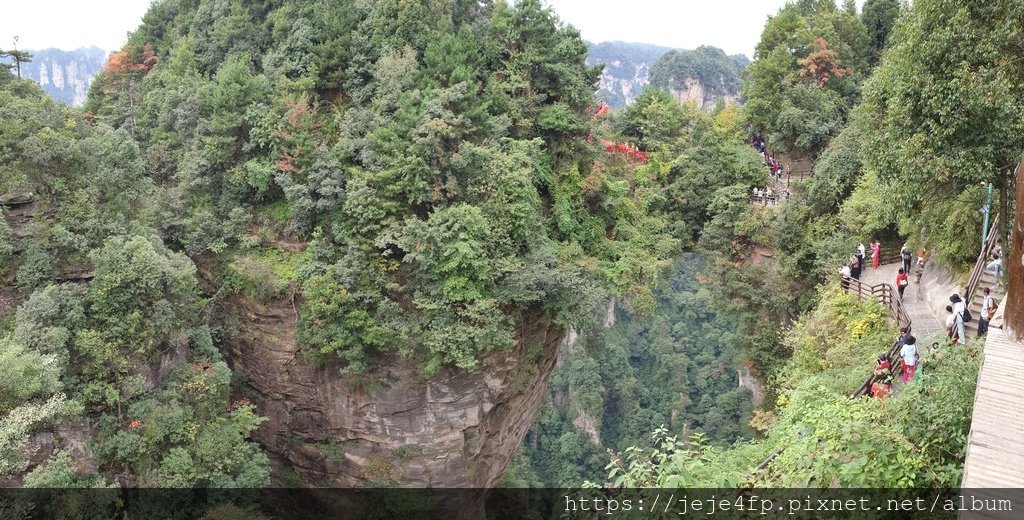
[
  {"x": 957, "y": 314},
  {"x": 775, "y": 170},
  {"x": 910, "y": 358},
  {"x": 768, "y": 196},
  {"x": 855, "y": 267}
]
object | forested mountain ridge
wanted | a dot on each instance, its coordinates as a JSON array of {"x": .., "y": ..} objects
[
  {"x": 704, "y": 75},
  {"x": 408, "y": 200},
  {"x": 65, "y": 75},
  {"x": 386, "y": 203},
  {"x": 107, "y": 373},
  {"x": 627, "y": 68}
]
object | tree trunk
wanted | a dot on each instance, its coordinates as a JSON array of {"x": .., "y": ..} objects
[{"x": 1014, "y": 315}]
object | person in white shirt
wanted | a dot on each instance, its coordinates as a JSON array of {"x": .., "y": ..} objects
[
  {"x": 958, "y": 317},
  {"x": 995, "y": 265},
  {"x": 988, "y": 307},
  {"x": 910, "y": 357},
  {"x": 951, "y": 325}
]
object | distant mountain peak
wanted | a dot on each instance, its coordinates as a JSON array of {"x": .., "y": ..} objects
[
  {"x": 65, "y": 74},
  {"x": 705, "y": 74}
]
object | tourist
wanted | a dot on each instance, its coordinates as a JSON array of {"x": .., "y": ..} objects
[
  {"x": 995, "y": 265},
  {"x": 844, "y": 277},
  {"x": 920, "y": 257},
  {"x": 951, "y": 326},
  {"x": 958, "y": 317},
  {"x": 882, "y": 364},
  {"x": 902, "y": 281},
  {"x": 988, "y": 309},
  {"x": 883, "y": 377},
  {"x": 905, "y": 258},
  {"x": 855, "y": 266},
  {"x": 876, "y": 254},
  {"x": 910, "y": 357},
  {"x": 902, "y": 338}
]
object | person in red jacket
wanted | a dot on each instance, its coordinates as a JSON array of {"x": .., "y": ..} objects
[{"x": 902, "y": 281}]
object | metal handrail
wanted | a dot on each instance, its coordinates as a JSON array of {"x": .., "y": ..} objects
[{"x": 979, "y": 265}]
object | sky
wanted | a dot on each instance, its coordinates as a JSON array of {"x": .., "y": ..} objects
[{"x": 733, "y": 25}]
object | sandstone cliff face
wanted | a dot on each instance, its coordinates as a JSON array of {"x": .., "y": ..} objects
[
  {"x": 627, "y": 67},
  {"x": 695, "y": 91},
  {"x": 623, "y": 83},
  {"x": 65, "y": 75},
  {"x": 453, "y": 429}
]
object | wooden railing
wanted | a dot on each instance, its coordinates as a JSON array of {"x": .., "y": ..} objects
[
  {"x": 979, "y": 265},
  {"x": 887, "y": 296},
  {"x": 883, "y": 293},
  {"x": 888, "y": 254}
]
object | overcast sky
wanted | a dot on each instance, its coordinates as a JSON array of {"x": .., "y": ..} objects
[{"x": 733, "y": 25}]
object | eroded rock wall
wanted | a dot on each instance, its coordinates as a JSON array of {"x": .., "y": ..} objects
[{"x": 453, "y": 429}]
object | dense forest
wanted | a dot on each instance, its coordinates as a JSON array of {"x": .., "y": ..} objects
[{"x": 423, "y": 186}]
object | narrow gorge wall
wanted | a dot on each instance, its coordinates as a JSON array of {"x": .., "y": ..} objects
[{"x": 453, "y": 429}]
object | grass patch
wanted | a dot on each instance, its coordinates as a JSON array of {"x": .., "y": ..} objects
[{"x": 265, "y": 274}]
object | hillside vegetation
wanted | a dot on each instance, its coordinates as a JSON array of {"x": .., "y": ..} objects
[
  {"x": 419, "y": 185},
  {"x": 901, "y": 151}
]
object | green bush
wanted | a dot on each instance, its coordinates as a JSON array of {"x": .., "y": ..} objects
[{"x": 25, "y": 375}]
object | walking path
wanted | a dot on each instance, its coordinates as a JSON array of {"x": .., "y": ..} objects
[
  {"x": 995, "y": 445},
  {"x": 922, "y": 321}
]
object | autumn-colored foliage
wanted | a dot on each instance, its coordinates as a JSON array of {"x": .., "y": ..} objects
[
  {"x": 123, "y": 61},
  {"x": 301, "y": 123},
  {"x": 822, "y": 64}
]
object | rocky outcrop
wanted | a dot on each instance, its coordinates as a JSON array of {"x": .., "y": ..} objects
[
  {"x": 693, "y": 91},
  {"x": 19, "y": 210},
  {"x": 622, "y": 83},
  {"x": 750, "y": 378},
  {"x": 627, "y": 67},
  {"x": 703, "y": 76},
  {"x": 396, "y": 427}
]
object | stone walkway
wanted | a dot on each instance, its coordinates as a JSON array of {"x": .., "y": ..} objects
[{"x": 922, "y": 321}]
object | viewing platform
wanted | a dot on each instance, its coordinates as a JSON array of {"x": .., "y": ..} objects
[{"x": 995, "y": 444}]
